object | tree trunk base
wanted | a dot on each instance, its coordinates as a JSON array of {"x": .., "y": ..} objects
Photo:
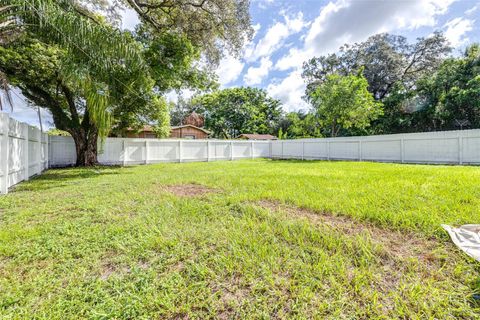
[{"x": 86, "y": 149}]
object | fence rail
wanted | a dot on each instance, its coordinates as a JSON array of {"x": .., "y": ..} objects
[{"x": 25, "y": 151}]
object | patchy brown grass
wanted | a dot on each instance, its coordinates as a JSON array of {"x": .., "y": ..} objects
[
  {"x": 189, "y": 190},
  {"x": 232, "y": 294},
  {"x": 396, "y": 252},
  {"x": 396, "y": 244}
]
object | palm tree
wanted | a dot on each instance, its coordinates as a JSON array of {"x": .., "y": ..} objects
[
  {"x": 94, "y": 52},
  {"x": 93, "y": 47},
  {"x": 8, "y": 28}
]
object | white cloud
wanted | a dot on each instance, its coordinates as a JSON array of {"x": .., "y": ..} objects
[
  {"x": 349, "y": 21},
  {"x": 290, "y": 91},
  {"x": 263, "y": 4},
  {"x": 275, "y": 37},
  {"x": 456, "y": 29},
  {"x": 256, "y": 75},
  {"x": 352, "y": 21},
  {"x": 472, "y": 9},
  {"x": 172, "y": 96},
  {"x": 129, "y": 19},
  {"x": 229, "y": 70},
  {"x": 256, "y": 28},
  {"x": 294, "y": 58}
]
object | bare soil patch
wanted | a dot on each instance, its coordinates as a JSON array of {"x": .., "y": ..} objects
[
  {"x": 189, "y": 190},
  {"x": 396, "y": 244},
  {"x": 231, "y": 293},
  {"x": 397, "y": 253}
]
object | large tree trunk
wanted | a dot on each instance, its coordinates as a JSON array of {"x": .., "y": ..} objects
[
  {"x": 81, "y": 128},
  {"x": 85, "y": 147}
]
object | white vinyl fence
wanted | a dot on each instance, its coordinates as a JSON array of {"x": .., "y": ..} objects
[
  {"x": 23, "y": 152},
  {"x": 448, "y": 147},
  {"x": 128, "y": 151}
]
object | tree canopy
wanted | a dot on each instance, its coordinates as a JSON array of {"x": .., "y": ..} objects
[
  {"x": 451, "y": 96},
  {"x": 343, "y": 102},
  {"x": 97, "y": 77},
  {"x": 386, "y": 60},
  {"x": 214, "y": 26},
  {"x": 410, "y": 80},
  {"x": 231, "y": 112}
]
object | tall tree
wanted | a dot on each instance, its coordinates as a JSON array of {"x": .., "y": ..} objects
[
  {"x": 91, "y": 62},
  {"x": 108, "y": 77},
  {"x": 233, "y": 111},
  {"x": 386, "y": 60},
  {"x": 299, "y": 125},
  {"x": 215, "y": 26},
  {"x": 451, "y": 96},
  {"x": 37, "y": 70},
  {"x": 343, "y": 102},
  {"x": 392, "y": 67}
]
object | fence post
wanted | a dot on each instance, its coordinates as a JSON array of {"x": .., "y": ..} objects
[
  {"x": 328, "y": 150},
  {"x": 231, "y": 150},
  {"x": 460, "y": 150},
  {"x": 251, "y": 149},
  {"x": 124, "y": 152},
  {"x": 146, "y": 151},
  {"x": 360, "y": 150},
  {"x": 303, "y": 150},
  {"x": 208, "y": 151},
  {"x": 39, "y": 157},
  {"x": 25, "y": 152},
  {"x": 179, "y": 150},
  {"x": 270, "y": 147},
  {"x": 402, "y": 150},
  {"x": 47, "y": 151},
  {"x": 4, "y": 154},
  {"x": 282, "y": 150}
]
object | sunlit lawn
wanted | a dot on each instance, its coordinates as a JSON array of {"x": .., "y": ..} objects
[{"x": 269, "y": 239}]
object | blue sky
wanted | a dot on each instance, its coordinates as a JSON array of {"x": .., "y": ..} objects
[{"x": 290, "y": 32}]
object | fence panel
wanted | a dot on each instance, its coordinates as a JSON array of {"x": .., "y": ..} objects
[
  {"x": 448, "y": 147},
  {"x": 23, "y": 152},
  {"x": 61, "y": 152},
  {"x": 131, "y": 151}
]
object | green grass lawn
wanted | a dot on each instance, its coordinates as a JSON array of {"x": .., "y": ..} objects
[{"x": 263, "y": 239}]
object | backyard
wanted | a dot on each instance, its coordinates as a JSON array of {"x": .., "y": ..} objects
[{"x": 243, "y": 239}]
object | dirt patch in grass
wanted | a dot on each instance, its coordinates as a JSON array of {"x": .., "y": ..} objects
[
  {"x": 232, "y": 293},
  {"x": 396, "y": 244},
  {"x": 396, "y": 253},
  {"x": 189, "y": 190}
]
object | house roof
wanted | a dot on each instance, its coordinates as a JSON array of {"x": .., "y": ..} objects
[
  {"x": 254, "y": 136},
  {"x": 190, "y": 126},
  {"x": 146, "y": 128}
]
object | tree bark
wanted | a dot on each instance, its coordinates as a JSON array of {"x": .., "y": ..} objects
[{"x": 85, "y": 147}]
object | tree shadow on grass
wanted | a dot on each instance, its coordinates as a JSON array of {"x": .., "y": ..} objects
[{"x": 56, "y": 178}]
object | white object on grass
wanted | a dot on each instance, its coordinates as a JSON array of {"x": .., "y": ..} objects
[{"x": 467, "y": 238}]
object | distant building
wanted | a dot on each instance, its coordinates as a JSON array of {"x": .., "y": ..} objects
[
  {"x": 194, "y": 119},
  {"x": 188, "y": 131},
  {"x": 254, "y": 136},
  {"x": 145, "y": 132}
]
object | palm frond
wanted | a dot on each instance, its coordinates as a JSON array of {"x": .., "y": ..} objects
[{"x": 95, "y": 50}]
